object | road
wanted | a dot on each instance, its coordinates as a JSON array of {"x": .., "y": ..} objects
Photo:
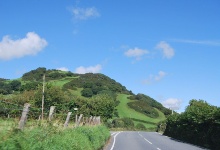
[{"x": 134, "y": 140}]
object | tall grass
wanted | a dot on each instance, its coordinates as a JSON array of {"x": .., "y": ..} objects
[{"x": 53, "y": 138}]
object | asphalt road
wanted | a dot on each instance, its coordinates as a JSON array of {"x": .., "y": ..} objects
[{"x": 134, "y": 140}]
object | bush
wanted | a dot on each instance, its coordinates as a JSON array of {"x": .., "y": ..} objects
[
  {"x": 126, "y": 123},
  {"x": 140, "y": 126},
  {"x": 87, "y": 92},
  {"x": 118, "y": 123}
]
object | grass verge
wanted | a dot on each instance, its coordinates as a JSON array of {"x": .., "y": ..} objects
[{"x": 47, "y": 138}]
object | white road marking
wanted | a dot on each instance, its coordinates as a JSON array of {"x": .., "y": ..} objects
[
  {"x": 144, "y": 138},
  {"x": 140, "y": 134},
  {"x": 147, "y": 140},
  {"x": 114, "y": 141},
  {"x": 113, "y": 133}
]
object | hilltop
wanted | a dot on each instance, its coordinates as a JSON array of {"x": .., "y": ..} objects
[{"x": 93, "y": 94}]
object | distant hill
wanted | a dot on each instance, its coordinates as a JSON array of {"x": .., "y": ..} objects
[{"x": 90, "y": 85}]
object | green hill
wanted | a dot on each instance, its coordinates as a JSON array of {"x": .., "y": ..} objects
[{"x": 94, "y": 94}]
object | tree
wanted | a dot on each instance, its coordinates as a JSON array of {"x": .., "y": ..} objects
[
  {"x": 54, "y": 96},
  {"x": 87, "y": 92},
  {"x": 199, "y": 124},
  {"x": 15, "y": 85},
  {"x": 102, "y": 105}
]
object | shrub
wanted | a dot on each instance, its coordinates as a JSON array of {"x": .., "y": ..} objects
[
  {"x": 126, "y": 123},
  {"x": 118, "y": 123},
  {"x": 140, "y": 126}
]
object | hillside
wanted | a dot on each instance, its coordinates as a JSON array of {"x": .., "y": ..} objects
[{"x": 93, "y": 94}]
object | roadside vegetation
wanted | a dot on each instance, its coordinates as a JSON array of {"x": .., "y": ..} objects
[
  {"x": 47, "y": 137},
  {"x": 199, "y": 125}
]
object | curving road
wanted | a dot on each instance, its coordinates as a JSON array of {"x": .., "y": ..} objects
[{"x": 134, "y": 140}]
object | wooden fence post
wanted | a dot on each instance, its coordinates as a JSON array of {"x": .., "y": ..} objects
[
  {"x": 87, "y": 120},
  {"x": 67, "y": 119},
  {"x": 78, "y": 121},
  {"x": 99, "y": 120},
  {"x": 94, "y": 120},
  {"x": 24, "y": 116},
  {"x": 51, "y": 112},
  {"x": 90, "y": 120}
]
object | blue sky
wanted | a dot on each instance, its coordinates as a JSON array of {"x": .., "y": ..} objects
[{"x": 168, "y": 50}]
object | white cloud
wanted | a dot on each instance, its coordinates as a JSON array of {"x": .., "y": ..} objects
[
  {"x": 155, "y": 78},
  {"x": 30, "y": 45},
  {"x": 160, "y": 76},
  {"x": 63, "y": 69},
  {"x": 168, "y": 51},
  {"x": 136, "y": 52},
  {"x": 90, "y": 69},
  {"x": 172, "y": 103},
  {"x": 84, "y": 13}
]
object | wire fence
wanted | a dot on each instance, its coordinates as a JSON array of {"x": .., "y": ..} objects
[{"x": 9, "y": 109}]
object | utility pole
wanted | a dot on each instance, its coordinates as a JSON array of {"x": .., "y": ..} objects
[{"x": 42, "y": 114}]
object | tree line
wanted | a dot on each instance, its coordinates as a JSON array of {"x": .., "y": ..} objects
[{"x": 199, "y": 124}]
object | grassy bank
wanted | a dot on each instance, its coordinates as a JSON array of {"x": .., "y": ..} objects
[{"x": 50, "y": 137}]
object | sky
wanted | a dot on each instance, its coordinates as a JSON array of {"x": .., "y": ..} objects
[{"x": 168, "y": 50}]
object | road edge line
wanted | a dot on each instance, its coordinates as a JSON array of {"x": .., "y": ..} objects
[{"x": 114, "y": 140}]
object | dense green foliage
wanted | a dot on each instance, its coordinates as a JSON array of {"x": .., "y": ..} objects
[
  {"x": 125, "y": 123},
  {"x": 34, "y": 75},
  {"x": 199, "y": 124},
  {"x": 140, "y": 126},
  {"x": 100, "y": 105},
  {"x": 9, "y": 87},
  {"x": 45, "y": 138},
  {"x": 150, "y": 102},
  {"x": 37, "y": 74},
  {"x": 30, "y": 86}
]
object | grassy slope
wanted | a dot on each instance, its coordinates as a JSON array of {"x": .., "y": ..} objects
[
  {"x": 125, "y": 111},
  {"x": 61, "y": 82}
]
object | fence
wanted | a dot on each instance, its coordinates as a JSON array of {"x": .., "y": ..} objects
[{"x": 92, "y": 120}]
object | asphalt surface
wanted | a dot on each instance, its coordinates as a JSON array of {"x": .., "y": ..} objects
[{"x": 134, "y": 140}]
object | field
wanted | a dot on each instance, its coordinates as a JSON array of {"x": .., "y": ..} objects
[{"x": 125, "y": 111}]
